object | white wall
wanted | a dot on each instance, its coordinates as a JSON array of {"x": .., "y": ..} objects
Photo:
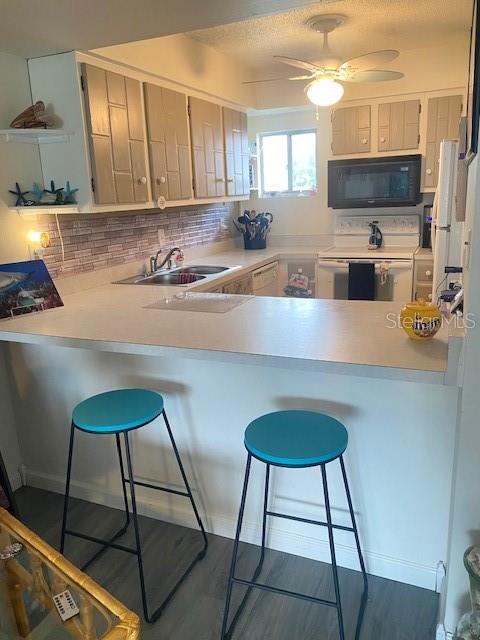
[
  {"x": 18, "y": 162},
  {"x": 9, "y": 445},
  {"x": 399, "y": 458},
  {"x": 465, "y": 517},
  {"x": 309, "y": 215},
  {"x": 188, "y": 62}
]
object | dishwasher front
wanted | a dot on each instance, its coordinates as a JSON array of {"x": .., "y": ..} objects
[{"x": 265, "y": 280}]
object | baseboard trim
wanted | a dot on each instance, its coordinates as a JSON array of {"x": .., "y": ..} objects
[{"x": 280, "y": 539}]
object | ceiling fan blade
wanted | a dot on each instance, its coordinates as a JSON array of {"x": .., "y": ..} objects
[
  {"x": 310, "y": 77},
  {"x": 275, "y": 79},
  {"x": 301, "y": 64},
  {"x": 369, "y": 61},
  {"x": 374, "y": 76}
]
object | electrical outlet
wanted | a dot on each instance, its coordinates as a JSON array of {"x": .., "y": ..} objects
[{"x": 161, "y": 237}]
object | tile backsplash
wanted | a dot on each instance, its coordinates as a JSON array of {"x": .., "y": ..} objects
[{"x": 95, "y": 241}]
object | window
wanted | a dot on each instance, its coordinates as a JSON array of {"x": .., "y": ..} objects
[{"x": 288, "y": 162}]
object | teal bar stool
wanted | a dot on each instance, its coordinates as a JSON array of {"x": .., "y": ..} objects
[
  {"x": 117, "y": 413},
  {"x": 293, "y": 439}
]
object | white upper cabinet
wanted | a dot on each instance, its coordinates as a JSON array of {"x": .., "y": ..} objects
[
  {"x": 133, "y": 141},
  {"x": 351, "y": 128},
  {"x": 207, "y": 148},
  {"x": 443, "y": 122},
  {"x": 399, "y": 125},
  {"x": 237, "y": 157},
  {"x": 168, "y": 141},
  {"x": 114, "y": 116}
]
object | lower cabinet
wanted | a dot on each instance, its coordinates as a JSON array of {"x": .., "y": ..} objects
[
  {"x": 423, "y": 277},
  {"x": 242, "y": 286}
]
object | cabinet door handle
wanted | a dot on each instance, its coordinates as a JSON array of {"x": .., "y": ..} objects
[
  {"x": 161, "y": 180},
  {"x": 230, "y": 180},
  {"x": 428, "y": 273},
  {"x": 220, "y": 180},
  {"x": 364, "y": 141},
  {"x": 142, "y": 180},
  {"x": 429, "y": 172},
  {"x": 383, "y": 139}
]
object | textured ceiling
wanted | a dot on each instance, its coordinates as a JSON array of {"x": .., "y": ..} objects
[
  {"x": 39, "y": 27},
  {"x": 371, "y": 25}
]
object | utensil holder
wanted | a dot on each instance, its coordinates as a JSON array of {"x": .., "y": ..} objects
[{"x": 254, "y": 243}]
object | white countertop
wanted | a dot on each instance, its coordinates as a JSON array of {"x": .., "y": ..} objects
[{"x": 338, "y": 336}]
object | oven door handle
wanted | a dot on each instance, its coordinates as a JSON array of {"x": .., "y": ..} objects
[{"x": 343, "y": 264}]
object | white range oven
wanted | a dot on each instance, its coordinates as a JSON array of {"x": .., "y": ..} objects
[{"x": 391, "y": 270}]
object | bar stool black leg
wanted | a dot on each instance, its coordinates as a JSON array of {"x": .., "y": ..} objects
[
  {"x": 259, "y": 567},
  {"x": 227, "y": 634},
  {"x": 123, "y": 530},
  {"x": 150, "y": 618},
  {"x": 105, "y": 544},
  {"x": 187, "y": 486},
  {"x": 354, "y": 524},
  {"x": 124, "y": 480},
  {"x": 67, "y": 488},
  {"x": 332, "y": 553},
  {"x": 138, "y": 545},
  {"x": 264, "y": 523},
  {"x": 7, "y": 488}
]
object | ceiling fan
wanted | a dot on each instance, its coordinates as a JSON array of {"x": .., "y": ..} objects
[{"x": 326, "y": 76}]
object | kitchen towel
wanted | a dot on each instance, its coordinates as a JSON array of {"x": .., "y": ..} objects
[{"x": 361, "y": 281}]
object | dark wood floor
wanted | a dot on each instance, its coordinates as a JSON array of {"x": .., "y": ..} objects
[{"x": 394, "y": 611}]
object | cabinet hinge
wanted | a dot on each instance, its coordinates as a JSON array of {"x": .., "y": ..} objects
[
  {"x": 82, "y": 82},
  {"x": 193, "y": 184},
  {"x": 418, "y": 138},
  {"x": 189, "y": 110},
  {"x": 92, "y": 182},
  {"x": 420, "y": 108}
]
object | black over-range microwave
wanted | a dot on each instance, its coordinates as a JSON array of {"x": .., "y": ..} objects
[{"x": 392, "y": 181}]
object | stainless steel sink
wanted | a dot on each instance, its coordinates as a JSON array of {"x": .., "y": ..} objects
[
  {"x": 205, "y": 270},
  {"x": 165, "y": 278},
  {"x": 182, "y": 276},
  {"x": 173, "y": 278}
]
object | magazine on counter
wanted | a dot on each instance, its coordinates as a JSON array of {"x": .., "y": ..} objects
[{"x": 26, "y": 287}]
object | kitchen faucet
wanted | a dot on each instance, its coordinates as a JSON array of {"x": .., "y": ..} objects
[{"x": 154, "y": 266}]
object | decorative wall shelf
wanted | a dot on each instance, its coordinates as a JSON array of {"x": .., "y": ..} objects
[
  {"x": 35, "y": 136},
  {"x": 66, "y": 208}
]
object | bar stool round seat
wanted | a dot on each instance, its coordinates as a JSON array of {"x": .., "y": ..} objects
[
  {"x": 117, "y": 411},
  {"x": 296, "y": 438}
]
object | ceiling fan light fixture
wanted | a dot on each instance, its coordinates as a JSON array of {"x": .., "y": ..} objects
[{"x": 324, "y": 92}]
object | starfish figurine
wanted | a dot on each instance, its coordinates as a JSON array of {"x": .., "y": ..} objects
[
  {"x": 20, "y": 195},
  {"x": 58, "y": 193},
  {"x": 69, "y": 194},
  {"x": 52, "y": 189},
  {"x": 37, "y": 192}
]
